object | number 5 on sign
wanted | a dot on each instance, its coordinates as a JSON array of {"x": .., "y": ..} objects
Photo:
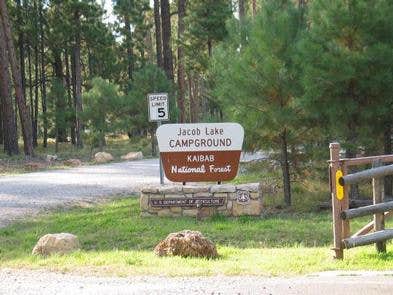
[
  {"x": 339, "y": 187},
  {"x": 158, "y": 107}
]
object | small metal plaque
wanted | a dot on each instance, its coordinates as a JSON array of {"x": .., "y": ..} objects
[
  {"x": 243, "y": 197},
  {"x": 188, "y": 202}
]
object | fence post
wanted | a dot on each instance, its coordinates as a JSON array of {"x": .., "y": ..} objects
[
  {"x": 345, "y": 205},
  {"x": 378, "y": 197},
  {"x": 336, "y": 203}
]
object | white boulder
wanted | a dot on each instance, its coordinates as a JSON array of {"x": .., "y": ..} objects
[
  {"x": 103, "y": 157},
  {"x": 61, "y": 243},
  {"x": 132, "y": 156}
]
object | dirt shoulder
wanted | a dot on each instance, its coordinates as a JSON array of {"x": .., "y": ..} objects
[{"x": 43, "y": 282}]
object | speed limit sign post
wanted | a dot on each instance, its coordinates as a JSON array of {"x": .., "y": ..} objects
[
  {"x": 158, "y": 112},
  {"x": 158, "y": 107}
]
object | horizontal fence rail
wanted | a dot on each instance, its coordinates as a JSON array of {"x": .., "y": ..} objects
[
  {"x": 367, "y": 160},
  {"x": 370, "y": 226},
  {"x": 367, "y": 210},
  {"x": 379, "y": 236},
  {"x": 366, "y": 174}
]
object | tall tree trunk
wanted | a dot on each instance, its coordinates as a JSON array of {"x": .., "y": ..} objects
[
  {"x": 209, "y": 47},
  {"x": 254, "y": 8},
  {"x": 285, "y": 169},
  {"x": 61, "y": 106},
  {"x": 36, "y": 75},
  {"x": 43, "y": 78},
  {"x": 352, "y": 135},
  {"x": 180, "y": 60},
  {"x": 21, "y": 43},
  {"x": 388, "y": 151},
  {"x": 31, "y": 97},
  {"x": 194, "y": 103},
  {"x": 90, "y": 63},
  {"x": 130, "y": 54},
  {"x": 7, "y": 110},
  {"x": 149, "y": 46},
  {"x": 166, "y": 39},
  {"x": 351, "y": 152},
  {"x": 242, "y": 18},
  {"x": 242, "y": 10},
  {"x": 69, "y": 97},
  {"x": 36, "y": 92},
  {"x": 73, "y": 83},
  {"x": 191, "y": 98},
  {"x": 21, "y": 46},
  {"x": 78, "y": 82},
  {"x": 302, "y": 7},
  {"x": 17, "y": 77},
  {"x": 157, "y": 24},
  {"x": 302, "y": 3}
]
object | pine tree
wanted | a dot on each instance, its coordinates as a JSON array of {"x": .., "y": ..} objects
[
  {"x": 348, "y": 70},
  {"x": 259, "y": 86},
  {"x": 206, "y": 23}
]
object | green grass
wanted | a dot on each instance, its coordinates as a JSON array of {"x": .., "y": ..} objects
[{"x": 116, "y": 241}]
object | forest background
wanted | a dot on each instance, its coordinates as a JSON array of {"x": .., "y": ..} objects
[{"x": 296, "y": 74}]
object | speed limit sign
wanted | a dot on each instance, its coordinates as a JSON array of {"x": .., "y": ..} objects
[
  {"x": 158, "y": 112},
  {"x": 158, "y": 107}
]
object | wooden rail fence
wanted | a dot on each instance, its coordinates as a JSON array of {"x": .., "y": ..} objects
[{"x": 340, "y": 182}]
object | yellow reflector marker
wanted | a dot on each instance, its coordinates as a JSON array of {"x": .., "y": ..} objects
[{"x": 339, "y": 187}]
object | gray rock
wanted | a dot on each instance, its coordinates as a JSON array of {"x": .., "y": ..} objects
[
  {"x": 223, "y": 188},
  {"x": 251, "y": 187},
  {"x": 190, "y": 189},
  {"x": 170, "y": 189},
  {"x": 61, "y": 243},
  {"x": 150, "y": 189}
]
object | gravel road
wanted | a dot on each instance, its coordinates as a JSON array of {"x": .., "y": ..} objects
[
  {"x": 30, "y": 193},
  {"x": 42, "y": 282}
]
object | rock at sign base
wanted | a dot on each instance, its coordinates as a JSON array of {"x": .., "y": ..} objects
[
  {"x": 132, "y": 156},
  {"x": 186, "y": 243},
  {"x": 103, "y": 157},
  {"x": 72, "y": 162},
  {"x": 56, "y": 244}
]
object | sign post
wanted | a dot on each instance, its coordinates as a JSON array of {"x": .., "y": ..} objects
[
  {"x": 160, "y": 160},
  {"x": 158, "y": 112}
]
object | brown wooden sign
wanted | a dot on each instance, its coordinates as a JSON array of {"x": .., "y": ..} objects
[{"x": 200, "y": 152}]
